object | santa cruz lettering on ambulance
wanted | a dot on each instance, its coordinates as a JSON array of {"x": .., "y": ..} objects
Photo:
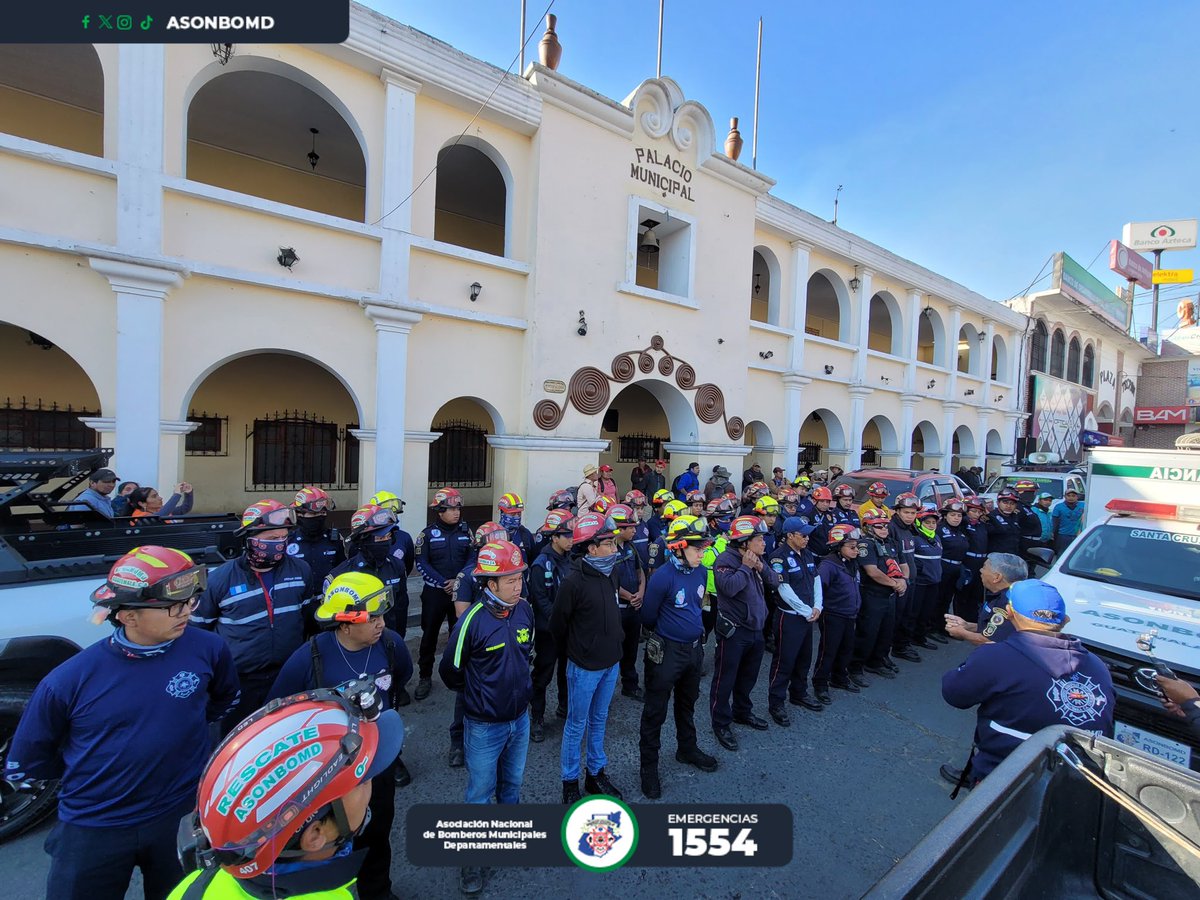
[
  {"x": 675, "y": 179},
  {"x": 263, "y": 761}
]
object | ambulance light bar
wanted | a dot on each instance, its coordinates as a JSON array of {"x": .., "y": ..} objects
[{"x": 1153, "y": 510}]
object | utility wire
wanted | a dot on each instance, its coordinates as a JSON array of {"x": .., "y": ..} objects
[{"x": 479, "y": 111}]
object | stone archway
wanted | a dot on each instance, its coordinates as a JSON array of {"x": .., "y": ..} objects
[
  {"x": 637, "y": 426},
  {"x": 926, "y": 446}
]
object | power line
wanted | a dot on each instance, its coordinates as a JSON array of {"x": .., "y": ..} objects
[{"x": 482, "y": 107}]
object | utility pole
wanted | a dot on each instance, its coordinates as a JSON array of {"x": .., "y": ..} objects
[{"x": 757, "y": 78}]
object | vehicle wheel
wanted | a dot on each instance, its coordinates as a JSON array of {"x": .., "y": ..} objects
[{"x": 22, "y": 804}]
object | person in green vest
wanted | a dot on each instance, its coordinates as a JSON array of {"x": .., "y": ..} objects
[{"x": 719, "y": 512}]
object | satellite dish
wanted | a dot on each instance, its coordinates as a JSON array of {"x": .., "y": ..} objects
[{"x": 1040, "y": 459}]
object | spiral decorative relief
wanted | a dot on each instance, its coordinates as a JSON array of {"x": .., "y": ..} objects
[
  {"x": 622, "y": 368},
  {"x": 709, "y": 403},
  {"x": 666, "y": 365},
  {"x": 685, "y": 377},
  {"x": 656, "y": 342},
  {"x": 735, "y": 428},
  {"x": 547, "y": 414},
  {"x": 588, "y": 391},
  {"x": 645, "y": 363}
]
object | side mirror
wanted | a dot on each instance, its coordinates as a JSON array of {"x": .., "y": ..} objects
[{"x": 1042, "y": 554}]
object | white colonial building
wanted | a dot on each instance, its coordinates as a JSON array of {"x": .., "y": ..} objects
[{"x": 342, "y": 266}]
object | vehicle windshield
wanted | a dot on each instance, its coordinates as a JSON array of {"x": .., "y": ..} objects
[
  {"x": 1139, "y": 556},
  {"x": 1051, "y": 485},
  {"x": 894, "y": 486}
]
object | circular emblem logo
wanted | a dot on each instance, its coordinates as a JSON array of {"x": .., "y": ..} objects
[
  {"x": 293, "y": 549},
  {"x": 1078, "y": 700},
  {"x": 599, "y": 833},
  {"x": 183, "y": 684}
]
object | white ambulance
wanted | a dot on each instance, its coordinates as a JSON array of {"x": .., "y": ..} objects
[{"x": 1135, "y": 569}]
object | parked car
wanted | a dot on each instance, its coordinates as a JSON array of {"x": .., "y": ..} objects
[
  {"x": 930, "y": 487},
  {"x": 1054, "y": 483}
]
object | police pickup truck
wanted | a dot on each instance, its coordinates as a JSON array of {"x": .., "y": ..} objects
[
  {"x": 51, "y": 558},
  {"x": 1133, "y": 571}
]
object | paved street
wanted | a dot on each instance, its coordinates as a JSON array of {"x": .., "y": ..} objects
[{"x": 861, "y": 778}]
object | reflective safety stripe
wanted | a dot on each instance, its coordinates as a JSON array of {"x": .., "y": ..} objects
[
  {"x": 225, "y": 620},
  {"x": 1011, "y": 732},
  {"x": 462, "y": 635},
  {"x": 919, "y": 556},
  {"x": 977, "y": 555}
]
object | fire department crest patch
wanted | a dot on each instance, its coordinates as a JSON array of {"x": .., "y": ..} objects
[
  {"x": 1078, "y": 700},
  {"x": 600, "y": 833}
]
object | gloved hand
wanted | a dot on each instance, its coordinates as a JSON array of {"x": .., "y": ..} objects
[{"x": 892, "y": 569}]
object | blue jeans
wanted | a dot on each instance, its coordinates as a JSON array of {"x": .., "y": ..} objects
[
  {"x": 588, "y": 695},
  {"x": 495, "y": 755}
]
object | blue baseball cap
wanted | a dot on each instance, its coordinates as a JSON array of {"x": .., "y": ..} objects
[
  {"x": 798, "y": 525},
  {"x": 391, "y": 742},
  {"x": 1038, "y": 601}
]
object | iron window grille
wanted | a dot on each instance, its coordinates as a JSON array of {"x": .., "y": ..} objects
[
  {"x": 460, "y": 456},
  {"x": 870, "y": 455},
  {"x": 350, "y": 456},
  {"x": 636, "y": 447},
  {"x": 211, "y": 438},
  {"x": 38, "y": 426},
  {"x": 292, "y": 449},
  {"x": 810, "y": 453}
]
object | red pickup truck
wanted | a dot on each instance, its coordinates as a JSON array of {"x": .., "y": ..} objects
[{"x": 930, "y": 487}]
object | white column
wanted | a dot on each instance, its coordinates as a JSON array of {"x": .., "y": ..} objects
[
  {"x": 862, "y": 324},
  {"x": 908, "y": 403},
  {"x": 952, "y": 355},
  {"x": 392, "y": 327},
  {"x": 1010, "y": 433},
  {"x": 800, "y": 262},
  {"x": 1016, "y": 366},
  {"x": 985, "y": 369},
  {"x": 948, "y": 410},
  {"x": 400, "y": 112},
  {"x": 793, "y": 396},
  {"x": 858, "y": 402},
  {"x": 138, "y": 355},
  {"x": 139, "y": 110},
  {"x": 911, "y": 337},
  {"x": 985, "y": 423}
]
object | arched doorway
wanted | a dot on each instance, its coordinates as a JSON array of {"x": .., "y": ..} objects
[
  {"x": 462, "y": 457},
  {"x": 637, "y": 427},
  {"x": 45, "y": 392},
  {"x": 472, "y": 200},
  {"x": 962, "y": 448},
  {"x": 270, "y": 423},
  {"x": 53, "y": 93},
  {"x": 879, "y": 442},
  {"x": 764, "y": 287},
  {"x": 758, "y": 437},
  {"x": 999, "y": 369},
  {"x": 827, "y": 313},
  {"x": 251, "y": 130},
  {"x": 994, "y": 446},
  {"x": 926, "y": 448},
  {"x": 820, "y": 435},
  {"x": 885, "y": 330},
  {"x": 1104, "y": 417},
  {"x": 931, "y": 338},
  {"x": 969, "y": 340}
]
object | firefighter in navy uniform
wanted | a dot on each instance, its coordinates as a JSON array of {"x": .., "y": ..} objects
[
  {"x": 404, "y": 549},
  {"x": 767, "y": 508},
  {"x": 927, "y": 577},
  {"x": 656, "y": 525},
  {"x": 840, "y": 593},
  {"x": 321, "y": 548},
  {"x": 844, "y": 510},
  {"x": 902, "y": 528},
  {"x": 511, "y": 508},
  {"x": 968, "y": 593},
  {"x": 800, "y": 604},
  {"x": 952, "y": 535},
  {"x": 671, "y": 510},
  {"x": 882, "y": 578},
  {"x": 1008, "y": 523},
  {"x": 741, "y": 577},
  {"x": 672, "y": 610},
  {"x": 803, "y": 487},
  {"x": 561, "y": 500},
  {"x": 789, "y": 503},
  {"x": 719, "y": 513},
  {"x": 442, "y": 550},
  {"x": 753, "y": 493},
  {"x": 636, "y": 501},
  {"x": 545, "y": 576},
  {"x": 370, "y": 546},
  {"x": 631, "y": 588},
  {"x": 822, "y": 519}
]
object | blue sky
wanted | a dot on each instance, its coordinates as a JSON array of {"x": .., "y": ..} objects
[{"x": 973, "y": 138}]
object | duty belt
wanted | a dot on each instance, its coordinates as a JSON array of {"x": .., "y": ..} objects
[{"x": 696, "y": 643}]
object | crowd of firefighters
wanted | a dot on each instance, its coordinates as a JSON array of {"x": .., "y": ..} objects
[{"x": 296, "y": 657}]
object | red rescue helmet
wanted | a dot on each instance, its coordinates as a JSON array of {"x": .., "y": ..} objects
[
  {"x": 313, "y": 500},
  {"x": 1008, "y": 494},
  {"x": 843, "y": 490},
  {"x": 878, "y": 490},
  {"x": 636, "y": 499},
  {"x": 149, "y": 577},
  {"x": 623, "y": 515},
  {"x": 872, "y": 519},
  {"x": 592, "y": 528},
  {"x": 756, "y": 490},
  {"x": 928, "y": 512},
  {"x": 267, "y": 515},
  {"x": 371, "y": 519},
  {"x": 498, "y": 558},
  {"x": 906, "y": 501},
  {"x": 743, "y": 528},
  {"x": 822, "y": 493},
  {"x": 695, "y": 497},
  {"x": 843, "y": 534},
  {"x": 286, "y": 766},
  {"x": 563, "y": 499},
  {"x": 973, "y": 502},
  {"x": 1024, "y": 485},
  {"x": 511, "y": 504},
  {"x": 488, "y": 532},
  {"x": 954, "y": 505},
  {"x": 789, "y": 497},
  {"x": 446, "y": 498},
  {"x": 720, "y": 507},
  {"x": 602, "y": 504},
  {"x": 558, "y": 521}
]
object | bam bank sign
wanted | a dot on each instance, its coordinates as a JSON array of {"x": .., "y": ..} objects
[{"x": 1160, "y": 415}]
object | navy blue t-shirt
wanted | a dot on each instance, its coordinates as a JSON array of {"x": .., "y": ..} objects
[
  {"x": 128, "y": 736},
  {"x": 339, "y": 665},
  {"x": 673, "y": 602}
]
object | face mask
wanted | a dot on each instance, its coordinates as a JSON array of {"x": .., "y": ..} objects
[
  {"x": 496, "y": 606},
  {"x": 263, "y": 554},
  {"x": 928, "y": 532},
  {"x": 602, "y": 564},
  {"x": 377, "y": 551},
  {"x": 510, "y": 523},
  {"x": 311, "y": 526}
]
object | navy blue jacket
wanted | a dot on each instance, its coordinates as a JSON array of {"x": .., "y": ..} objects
[
  {"x": 673, "y": 602},
  {"x": 991, "y": 608},
  {"x": 797, "y": 569},
  {"x": 1024, "y": 684},
  {"x": 741, "y": 591},
  {"x": 404, "y": 549},
  {"x": 390, "y": 571},
  {"x": 977, "y": 544},
  {"x": 659, "y": 553},
  {"x": 839, "y": 586},
  {"x": 655, "y": 525},
  {"x": 805, "y": 508},
  {"x": 261, "y": 627},
  {"x": 467, "y": 588},
  {"x": 386, "y": 662},
  {"x": 545, "y": 576},
  {"x": 927, "y": 553},
  {"x": 872, "y": 552},
  {"x": 955, "y": 542},
  {"x": 1005, "y": 532},
  {"x": 818, "y": 540},
  {"x": 442, "y": 552},
  {"x": 523, "y": 538},
  {"x": 323, "y": 553},
  {"x": 487, "y": 659},
  {"x": 846, "y": 516},
  {"x": 641, "y": 543},
  {"x": 905, "y": 539},
  {"x": 128, "y": 736},
  {"x": 627, "y": 569}
]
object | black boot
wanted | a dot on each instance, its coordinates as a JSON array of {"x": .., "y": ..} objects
[
  {"x": 457, "y": 759},
  {"x": 470, "y": 880},
  {"x": 424, "y": 686},
  {"x": 402, "y": 776},
  {"x": 651, "y": 786},
  {"x": 537, "y": 730},
  {"x": 571, "y": 792},
  {"x": 599, "y": 784}
]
